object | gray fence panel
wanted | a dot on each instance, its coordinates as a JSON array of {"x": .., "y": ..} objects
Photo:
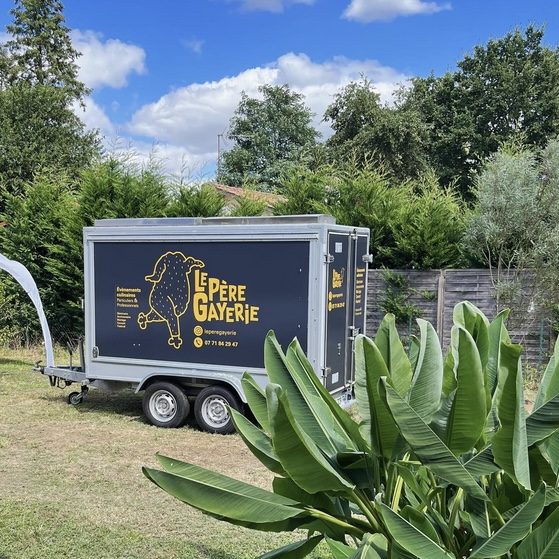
[{"x": 446, "y": 288}]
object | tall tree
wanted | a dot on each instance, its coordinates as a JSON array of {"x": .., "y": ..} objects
[
  {"x": 40, "y": 51},
  {"x": 38, "y": 87},
  {"x": 507, "y": 89},
  {"x": 38, "y": 130},
  {"x": 366, "y": 131},
  {"x": 267, "y": 134},
  {"x": 515, "y": 228}
]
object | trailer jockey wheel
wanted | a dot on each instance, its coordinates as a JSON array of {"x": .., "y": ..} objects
[
  {"x": 211, "y": 410},
  {"x": 165, "y": 404},
  {"x": 75, "y": 398}
]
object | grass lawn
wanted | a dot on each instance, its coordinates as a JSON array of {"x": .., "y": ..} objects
[{"x": 71, "y": 483}]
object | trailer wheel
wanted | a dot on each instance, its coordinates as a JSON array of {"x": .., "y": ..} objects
[
  {"x": 211, "y": 410},
  {"x": 75, "y": 398},
  {"x": 165, "y": 405}
]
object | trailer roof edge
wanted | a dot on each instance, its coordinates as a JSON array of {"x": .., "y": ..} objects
[{"x": 174, "y": 221}]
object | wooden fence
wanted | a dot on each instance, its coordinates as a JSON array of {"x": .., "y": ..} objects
[{"x": 434, "y": 293}]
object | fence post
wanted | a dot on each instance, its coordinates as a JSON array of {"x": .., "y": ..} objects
[
  {"x": 542, "y": 341},
  {"x": 440, "y": 304}
]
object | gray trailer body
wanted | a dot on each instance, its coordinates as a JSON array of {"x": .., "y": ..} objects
[{"x": 192, "y": 299}]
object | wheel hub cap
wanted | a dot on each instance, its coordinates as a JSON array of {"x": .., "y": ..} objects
[
  {"x": 215, "y": 411},
  {"x": 163, "y": 405}
]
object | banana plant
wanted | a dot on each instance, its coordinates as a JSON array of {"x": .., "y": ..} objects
[{"x": 444, "y": 463}]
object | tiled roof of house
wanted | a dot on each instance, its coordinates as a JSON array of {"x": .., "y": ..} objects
[{"x": 268, "y": 197}]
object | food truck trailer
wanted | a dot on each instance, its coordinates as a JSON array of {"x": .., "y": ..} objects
[{"x": 179, "y": 308}]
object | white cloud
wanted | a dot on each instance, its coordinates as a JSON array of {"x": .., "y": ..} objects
[
  {"x": 386, "y": 10},
  {"x": 274, "y": 6},
  {"x": 195, "y": 45},
  {"x": 172, "y": 160},
  {"x": 94, "y": 117},
  {"x": 192, "y": 116},
  {"x": 106, "y": 62}
]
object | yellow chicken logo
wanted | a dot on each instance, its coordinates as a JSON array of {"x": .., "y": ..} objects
[
  {"x": 338, "y": 278},
  {"x": 170, "y": 294}
]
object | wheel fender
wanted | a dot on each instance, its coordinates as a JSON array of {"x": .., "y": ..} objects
[{"x": 230, "y": 381}]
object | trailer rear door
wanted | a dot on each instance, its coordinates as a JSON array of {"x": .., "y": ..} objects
[
  {"x": 337, "y": 292},
  {"x": 345, "y": 305},
  {"x": 359, "y": 246}
]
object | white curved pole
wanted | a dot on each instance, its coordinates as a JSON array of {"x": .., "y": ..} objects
[{"x": 21, "y": 274}]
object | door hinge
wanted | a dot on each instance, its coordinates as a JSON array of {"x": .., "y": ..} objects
[
  {"x": 368, "y": 258},
  {"x": 326, "y": 371},
  {"x": 95, "y": 352},
  {"x": 328, "y": 258},
  {"x": 353, "y": 332}
]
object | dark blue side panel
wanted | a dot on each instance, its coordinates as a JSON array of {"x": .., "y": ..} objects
[{"x": 199, "y": 302}]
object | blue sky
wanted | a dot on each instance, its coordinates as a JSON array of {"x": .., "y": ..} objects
[{"x": 167, "y": 75}]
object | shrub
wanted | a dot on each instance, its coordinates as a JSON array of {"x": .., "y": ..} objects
[
  {"x": 111, "y": 189},
  {"x": 34, "y": 220},
  {"x": 514, "y": 228},
  {"x": 443, "y": 464},
  {"x": 431, "y": 227},
  {"x": 197, "y": 201},
  {"x": 413, "y": 224},
  {"x": 249, "y": 205}
]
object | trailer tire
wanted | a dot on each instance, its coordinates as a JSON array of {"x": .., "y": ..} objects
[
  {"x": 211, "y": 410},
  {"x": 165, "y": 405},
  {"x": 75, "y": 398}
]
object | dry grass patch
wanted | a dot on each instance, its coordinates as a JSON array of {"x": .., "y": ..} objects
[{"x": 71, "y": 483}]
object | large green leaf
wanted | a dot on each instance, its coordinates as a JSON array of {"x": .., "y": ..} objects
[
  {"x": 340, "y": 550},
  {"x": 514, "y": 530},
  {"x": 468, "y": 316},
  {"x": 497, "y": 335},
  {"x": 358, "y": 467},
  {"x": 495, "y": 381},
  {"x": 440, "y": 420},
  {"x": 543, "y": 421},
  {"x": 409, "y": 537},
  {"x": 223, "y": 496},
  {"x": 543, "y": 542},
  {"x": 256, "y": 399},
  {"x": 288, "y": 488},
  {"x": 540, "y": 469},
  {"x": 549, "y": 384},
  {"x": 394, "y": 355},
  {"x": 377, "y": 424},
  {"x": 468, "y": 411},
  {"x": 397, "y": 552},
  {"x": 478, "y": 516},
  {"x": 550, "y": 450},
  {"x": 334, "y": 421},
  {"x": 372, "y": 546},
  {"x": 413, "y": 353},
  {"x": 428, "y": 446},
  {"x": 296, "y": 550},
  {"x": 412, "y": 481},
  {"x": 510, "y": 443},
  {"x": 300, "y": 456},
  {"x": 427, "y": 381},
  {"x": 257, "y": 441},
  {"x": 296, "y": 354},
  {"x": 318, "y": 427},
  {"x": 421, "y": 522},
  {"x": 551, "y": 496},
  {"x": 482, "y": 463},
  {"x": 507, "y": 494}
]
